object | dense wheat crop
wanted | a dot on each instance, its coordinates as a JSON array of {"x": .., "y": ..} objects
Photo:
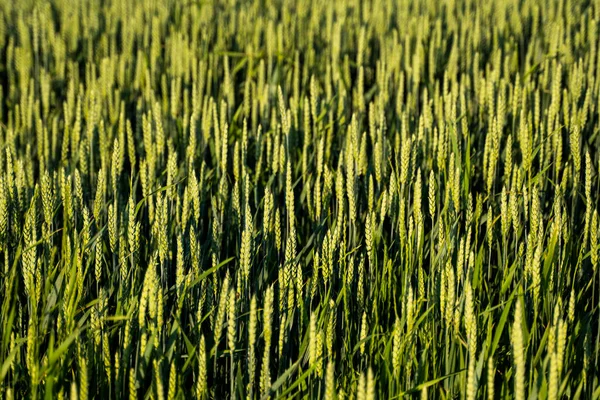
[{"x": 299, "y": 199}]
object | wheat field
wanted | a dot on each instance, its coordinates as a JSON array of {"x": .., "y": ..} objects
[{"x": 279, "y": 199}]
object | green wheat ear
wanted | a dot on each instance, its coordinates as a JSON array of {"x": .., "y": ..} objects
[{"x": 235, "y": 196}]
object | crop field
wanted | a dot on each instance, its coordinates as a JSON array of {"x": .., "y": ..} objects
[{"x": 289, "y": 199}]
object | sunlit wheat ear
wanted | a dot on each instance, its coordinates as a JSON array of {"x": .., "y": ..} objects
[
  {"x": 431, "y": 195},
  {"x": 594, "y": 241},
  {"x": 504, "y": 214},
  {"x": 228, "y": 202},
  {"x": 588, "y": 196},
  {"x": 312, "y": 349},
  {"x": 508, "y": 158},
  {"x": 277, "y": 229},
  {"x": 179, "y": 268},
  {"x": 361, "y": 390},
  {"x": 116, "y": 165},
  {"x": 405, "y": 159},
  {"x": 363, "y": 333},
  {"x": 553, "y": 375},
  {"x": 83, "y": 380},
  {"x": 202, "y": 384},
  {"x": 370, "y": 392},
  {"x": 471, "y": 329},
  {"x": 330, "y": 382},
  {"x": 490, "y": 378},
  {"x": 265, "y": 375},
  {"x": 160, "y": 390},
  {"x": 172, "y": 382},
  {"x": 231, "y": 333},
  {"x": 417, "y": 198},
  {"x": 112, "y": 227},
  {"x": 4, "y": 214},
  {"x": 221, "y": 310},
  {"x": 396, "y": 347},
  {"x": 518, "y": 352},
  {"x": 252, "y": 331},
  {"x": 74, "y": 393}
]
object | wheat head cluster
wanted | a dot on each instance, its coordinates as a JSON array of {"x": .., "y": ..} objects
[{"x": 279, "y": 199}]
